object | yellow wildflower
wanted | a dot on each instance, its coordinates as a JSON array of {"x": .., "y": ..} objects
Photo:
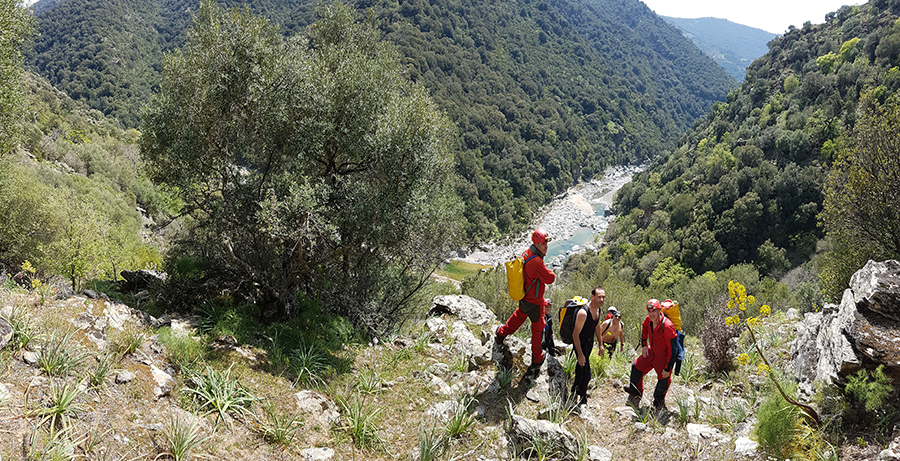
[
  {"x": 743, "y": 359},
  {"x": 762, "y": 369},
  {"x": 765, "y": 310}
]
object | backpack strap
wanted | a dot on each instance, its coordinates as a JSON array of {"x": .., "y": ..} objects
[{"x": 533, "y": 281}]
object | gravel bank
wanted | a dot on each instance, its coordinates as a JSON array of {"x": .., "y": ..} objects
[{"x": 569, "y": 212}]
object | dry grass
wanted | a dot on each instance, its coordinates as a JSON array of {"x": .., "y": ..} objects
[{"x": 387, "y": 409}]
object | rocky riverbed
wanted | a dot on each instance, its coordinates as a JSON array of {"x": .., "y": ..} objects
[{"x": 575, "y": 214}]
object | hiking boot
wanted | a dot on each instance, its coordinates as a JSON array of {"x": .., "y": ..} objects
[{"x": 634, "y": 401}]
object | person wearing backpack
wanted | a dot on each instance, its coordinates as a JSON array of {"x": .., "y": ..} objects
[
  {"x": 659, "y": 350},
  {"x": 612, "y": 331},
  {"x": 671, "y": 311},
  {"x": 587, "y": 327},
  {"x": 533, "y": 306}
]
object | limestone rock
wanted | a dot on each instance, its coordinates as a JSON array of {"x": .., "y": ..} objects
[
  {"x": 464, "y": 342},
  {"x": 466, "y": 309},
  {"x": 876, "y": 287},
  {"x": 318, "y": 406},
  {"x": 6, "y": 332},
  {"x": 746, "y": 447},
  {"x": 525, "y": 430},
  {"x": 317, "y": 454},
  {"x": 164, "y": 382},
  {"x": 596, "y": 453},
  {"x": 861, "y": 332},
  {"x": 124, "y": 377}
]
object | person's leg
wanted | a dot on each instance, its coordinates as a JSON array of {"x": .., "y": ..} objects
[
  {"x": 582, "y": 377},
  {"x": 537, "y": 330},
  {"x": 515, "y": 321},
  {"x": 662, "y": 387},
  {"x": 639, "y": 368},
  {"x": 611, "y": 347}
]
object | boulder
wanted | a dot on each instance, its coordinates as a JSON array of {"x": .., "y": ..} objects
[
  {"x": 6, "y": 332},
  {"x": 876, "y": 287},
  {"x": 466, "y": 309},
  {"x": 527, "y": 432},
  {"x": 862, "y": 332},
  {"x": 139, "y": 280},
  {"x": 318, "y": 407},
  {"x": 465, "y": 343}
]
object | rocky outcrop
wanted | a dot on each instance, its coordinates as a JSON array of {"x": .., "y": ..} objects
[
  {"x": 465, "y": 308},
  {"x": 863, "y": 331}
]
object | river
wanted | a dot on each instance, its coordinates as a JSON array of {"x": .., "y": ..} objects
[{"x": 576, "y": 220}]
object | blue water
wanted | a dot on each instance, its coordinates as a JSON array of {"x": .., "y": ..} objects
[{"x": 581, "y": 237}]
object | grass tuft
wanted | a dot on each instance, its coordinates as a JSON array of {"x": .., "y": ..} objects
[
  {"x": 61, "y": 354},
  {"x": 182, "y": 438},
  {"x": 362, "y": 423},
  {"x": 276, "y": 427},
  {"x": 217, "y": 392}
]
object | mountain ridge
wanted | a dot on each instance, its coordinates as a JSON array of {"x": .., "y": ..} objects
[
  {"x": 543, "y": 96},
  {"x": 733, "y": 45}
]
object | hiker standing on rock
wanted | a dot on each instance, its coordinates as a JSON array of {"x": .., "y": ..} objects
[
  {"x": 612, "y": 332},
  {"x": 659, "y": 349},
  {"x": 587, "y": 322},
  {"x": 533, "y": 305}
]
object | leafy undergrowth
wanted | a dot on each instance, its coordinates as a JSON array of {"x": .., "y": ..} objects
[{"x": 233, "y": 401}]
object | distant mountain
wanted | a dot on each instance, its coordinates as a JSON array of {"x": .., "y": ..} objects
[
  {"x": 545, "y": 93},
  {"x": 745, "y": 185},
  {"x": 734, "y": 46}
]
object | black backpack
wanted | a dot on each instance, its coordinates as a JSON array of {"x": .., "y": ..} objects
[{"x": 567, "y": 317}]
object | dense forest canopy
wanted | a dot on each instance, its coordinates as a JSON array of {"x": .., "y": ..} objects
[
  {"x": 544, "y": 94},
  {"x": 745, "y": 185}
]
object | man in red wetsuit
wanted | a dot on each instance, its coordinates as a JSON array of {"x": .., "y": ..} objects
[
  {"x": 533, "y": 305},
  {"x": 659, "y": 349}
]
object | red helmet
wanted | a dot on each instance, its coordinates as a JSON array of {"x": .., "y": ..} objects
[
  {"x": 653, "y": 304},
  {"x": 540, "y": 236}
]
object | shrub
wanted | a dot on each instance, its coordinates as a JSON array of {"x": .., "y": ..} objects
[
  {"x": 719, "y": 339},
  {"x": 776, "y": 420}
]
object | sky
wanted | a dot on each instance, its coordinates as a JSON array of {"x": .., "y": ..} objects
[{"x": 769, "y": 15}]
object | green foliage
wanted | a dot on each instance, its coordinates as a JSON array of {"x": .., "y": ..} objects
[
  {"x": 277, "y": 427},
  {"x": 218, "y": 392},
  {"x": 61, "y": 354},
  {"x": 756, "y": 161},
  {"x": 862, "y": 196},
  {"x": 871, "y": 398},
  {"x": 182, "y": 437},
  {"x": 16, "y": 24},
  {"x": 775, "y": 426},
  {"x": 869, "y": 389},
  {"x": 362, "y": 423},
  {"x": 342, "y": 188},
  {"x": 529, "y": 132}
]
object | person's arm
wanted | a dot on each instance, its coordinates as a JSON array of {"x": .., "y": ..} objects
[
  {"x": 580, "y": 318},
  {"x": 621, "y": 336},
  {"x": 673, "y": 347},
  {"x": 645, "y": 334},
  {"x": 598, "y": 333}
]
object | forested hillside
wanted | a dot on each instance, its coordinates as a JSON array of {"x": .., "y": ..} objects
[
  {"x": 544, "y": 94},
  {"x": 745, "y": 185},
  {"x": 734, "y": 46}
]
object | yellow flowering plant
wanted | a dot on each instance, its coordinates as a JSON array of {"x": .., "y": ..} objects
[{"x": 738, "y": 302}]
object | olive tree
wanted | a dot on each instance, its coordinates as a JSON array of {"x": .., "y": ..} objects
[
  {"x": 310, "y": 166},
  {"x": 862, "y": 196}
]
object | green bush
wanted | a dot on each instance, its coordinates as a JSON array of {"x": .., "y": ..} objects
[{"x": 775, "y": 426}]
